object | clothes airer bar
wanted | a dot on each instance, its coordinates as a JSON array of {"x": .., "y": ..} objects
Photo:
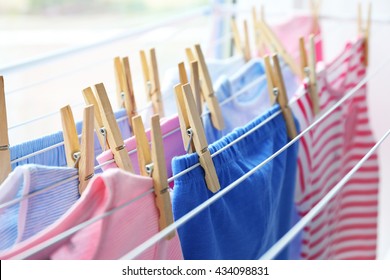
[
  {"x": 348, "y": 95},
  {"x": 134, "y": 253},
  {"x": 290, "y": 235},
  {"x": 242, "y": 91},
  {"x": 162, "y": 234}
]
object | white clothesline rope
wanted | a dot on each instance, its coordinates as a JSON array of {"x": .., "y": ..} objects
[
  {"x": 56, "y": 184},
  {"x": 74, "y": 71},
  {"x": 290, "y": 235},
  {"x": 240, "y": 92},
  {"x": 162, "y": 234},
  {"x": 215, "y": 42}
]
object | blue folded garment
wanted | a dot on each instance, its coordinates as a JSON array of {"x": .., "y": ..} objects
[{"x": 249, "y": 219}]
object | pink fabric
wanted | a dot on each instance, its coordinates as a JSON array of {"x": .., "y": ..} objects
[
  {"x": 113, "y": 236},
  {"x": 172, "y": 140},
  {"x": 346, "y": 228},
  {"x": 291, "y": 30}
]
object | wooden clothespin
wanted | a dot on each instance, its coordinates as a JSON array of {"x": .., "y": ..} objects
[
  {"x": 194, "y": 80},
  {"x": 313, "y": 76},
  {"x": 101, "y": 132},
  {"x": 280, "y": 92},
  {"x": 365, "y": 31},
  {"x": 114, "y": 137},
  {"x": 271, "y": 82},
  {"x": 208, "y": 91},
  {"x": 260, "y": 44},
  {"x": 125, "y": 90},
  {"x": 71, "y": 139},
  {"x": 182, "y": 73},
  {"x": 87, "y": 160},
  {"x": 274, "y": 43},
  {"x": 308, "y": 69},
  {"x": 182, "y": 113},
  {"x": 5, "y": 156},
  {"x": 152, "y": 163},
  {"x": 315, "y": 7},
  {"x": 197, "y": 137},
  {"x": 303, "y": 57},
  {"x": 81, "y": 158},
  {"x": 243, "y": 48},
  {"x": 195, "y": 85},
  {"x": 120, "y": 81},
  {"x": 152, "y": 81}
]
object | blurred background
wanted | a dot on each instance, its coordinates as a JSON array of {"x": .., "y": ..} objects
[{"x": 52, "y": 49}]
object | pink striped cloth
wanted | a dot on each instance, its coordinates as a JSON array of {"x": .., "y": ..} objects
[
  {"x": 347, "y": 227},
  {"x": 115, "y": 235}
]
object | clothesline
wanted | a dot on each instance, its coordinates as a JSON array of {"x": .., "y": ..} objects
[
  {"x": 141, "y": 248},
  {"x": 243, "y": 90},
  {"x": 294, "y": 231},
  {"x": 142, "y": 45},
  {"x": 77, "y": 70},
  {"x": 215, "y": 42},
  {"x": 56, "y": 184},
  {"x": 147, "y": 244},
  {"x": 287, "y": 238}
]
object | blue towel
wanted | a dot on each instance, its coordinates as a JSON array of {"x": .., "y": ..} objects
[
  {"x": 56, "y": 156},
  {"x": 244, "y": 223},
  {"x": 22, "y": 220}
]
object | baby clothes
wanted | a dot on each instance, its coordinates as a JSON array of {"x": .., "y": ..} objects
[
  {"x": 346, "y": 228},
  {"x": 216, "y": 67},
  {"x": 292, "y": 29},
  {"x": 243, "y": 97},
  {"x": 249, "y": 219},
  {"x": 52, "y": 197},
  {"x": 172, "y": 140},
  {"x": 110, "y": 237}
]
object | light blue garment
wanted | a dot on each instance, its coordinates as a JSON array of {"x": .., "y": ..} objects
[
  {"x": 56, "y": 156},
  {"x": 216, "y": 67},
  {"x": 249, "y": 219},
  {"x": 238, "y": 109},
  {"x": 22, "y": 220}
]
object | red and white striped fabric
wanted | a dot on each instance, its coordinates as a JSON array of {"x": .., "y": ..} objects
[{"x": 347, "y": 227}]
